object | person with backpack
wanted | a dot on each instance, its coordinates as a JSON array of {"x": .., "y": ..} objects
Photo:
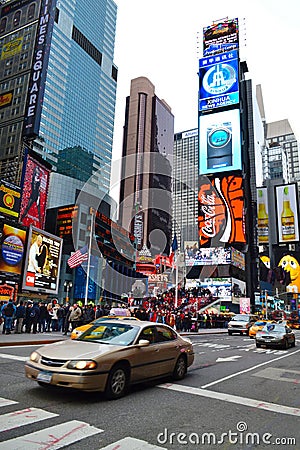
[{"x": 8, "y": 311}]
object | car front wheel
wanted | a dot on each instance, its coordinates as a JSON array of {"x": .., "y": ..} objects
[
  {"x": 180, "y": 368},
  {"x": 117, "y": 382}
]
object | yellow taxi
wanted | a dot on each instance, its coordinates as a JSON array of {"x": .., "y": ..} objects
[
  {"x": 79, "y": 330},
  {"x": 257, "y": 326}
]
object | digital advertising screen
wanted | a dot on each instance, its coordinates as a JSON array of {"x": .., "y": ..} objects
[
  {"x": 10, "y": 199},
  {"x": 220, "y": 142},
  {"x": 206, "y": 256},
  {"x": 218, "y": 287},
  {"x": 35, "y": 182},
  {"x": 262, "y": 215},
  {"x": 221, "y": 213},
  {"x": 12, "y": 249},
  {"x": 287, "y": 213},
  {"x": 220, "y": 37},
  {"x": 42, "y": 262},
  {"x": 218, "y": 81}
]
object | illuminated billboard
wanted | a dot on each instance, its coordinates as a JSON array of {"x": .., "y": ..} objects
[
  {"x": 220, "y": 142},
  {"x": 6, "y": 99},
  {"x": 220, "y": 37},
  {"x": 195, "y": 256},
  {"x": 42, "y": 262},
  {"x": 12, "y": 249},
  {"x": 287, "y": 213},
  {"x": 219, "y": 81},
  {"x": 221, "y": 215},
  {"x": 262, "y": 215},
  {"x": 10, "y": 197},
  {"x": 35, "y": 181},
  {"x": 38, "y": 73}
]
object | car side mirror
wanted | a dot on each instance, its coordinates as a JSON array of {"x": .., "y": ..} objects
[{"x": 143, "y": 343}]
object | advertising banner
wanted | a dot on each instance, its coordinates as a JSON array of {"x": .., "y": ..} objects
[
  {"x": 289, "y": 262},
  {"x": 219, "y": 81},
  {"x": 80, "y": 280},
  {"x": 35, "y": 182},
  {"x": 221, "y": 211},
  {"x": 11, "y": 48},
  {"x": 218, "y": 287},
  {"x": 12, "y": 249},
  {"x": 6, "y": 99},
  {"x": 262, "y": 215},
  {"x": 205, "y": 256},
  {"x": 220, "y": 142},
  {"x": 287, "y": 213},
  {"x": 10, "y": 199},
  {"x": 245, "y": 305},
  {"x": 220, "y": 37},
  {"x": 42, "y": 262}
]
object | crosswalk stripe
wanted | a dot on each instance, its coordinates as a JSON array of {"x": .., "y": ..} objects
[
  {"x": 129, "y": 443},
  {"x": 6, "y": 402},
  {"x": 52, "y": 438},
  {"x": 23, "y": 417}
]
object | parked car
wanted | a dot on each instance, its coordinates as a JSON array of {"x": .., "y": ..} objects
[
  {"x": 275, "y": 335},
  {"x": 111, "y": 355},
  {"x": 241, "y": 323}
]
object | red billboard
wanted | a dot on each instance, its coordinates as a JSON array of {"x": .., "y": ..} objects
[
  {"x": 221, "y": 215},
  {"x": 35, "y": 183}
]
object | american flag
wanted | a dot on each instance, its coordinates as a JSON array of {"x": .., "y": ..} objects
[{"x": 78, "y": 257}]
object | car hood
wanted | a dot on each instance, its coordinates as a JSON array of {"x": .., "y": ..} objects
[
  {"x": 270, "y": 333},
  {"x": 73, "y": 349}
]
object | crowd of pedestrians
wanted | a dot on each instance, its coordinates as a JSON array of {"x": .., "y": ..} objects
[{"x": 39, "y": 317}]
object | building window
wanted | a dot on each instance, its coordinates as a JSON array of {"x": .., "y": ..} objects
[
  {"x": 17, "y": 18},
  {"x": 31, "y": 11},
  {"x": 3, "y": 24}
]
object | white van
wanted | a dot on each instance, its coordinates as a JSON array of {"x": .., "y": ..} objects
[{"x": 241, "y": 323}]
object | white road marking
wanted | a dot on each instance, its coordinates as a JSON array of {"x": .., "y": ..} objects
[
  {"x": 6, "y": 402},
  {"x": 248, "y": 370},
  {"x": 229, "y": 359},
  {"x": 52, "y": 438},
  {"x": 26, "y": 416},
  {"x": 129, "y": 443},
  {"x": 16, "y": 358},
  {"x": 249, "y": 402}
]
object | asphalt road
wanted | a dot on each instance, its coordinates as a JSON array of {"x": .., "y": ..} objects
[{"x": 234, "y": 397}]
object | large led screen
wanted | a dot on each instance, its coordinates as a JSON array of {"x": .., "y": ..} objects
[
  {"x": 35, "y": 181},
  {"x": 220, "y": 142},
  {"x": 221, "y": 211},
  {"x": 220, "y": 37},
  {"x": 287, "y": 213},
  {"x": 42, "y": 262},
  {"x": 205, "y": 256},
  {"x": 219, "y": 81}
]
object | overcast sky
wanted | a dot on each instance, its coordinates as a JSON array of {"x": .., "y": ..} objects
[{"x": 159, "y": 39}]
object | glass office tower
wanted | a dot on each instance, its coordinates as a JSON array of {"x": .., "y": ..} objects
[{"x": 79, "y": 91}]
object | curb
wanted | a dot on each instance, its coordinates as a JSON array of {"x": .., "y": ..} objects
[{"x": 15, "y": 344}]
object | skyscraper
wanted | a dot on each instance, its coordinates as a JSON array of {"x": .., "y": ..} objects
[
  {"x": 64, "y": 92},
  {"x": 146, "y": 174}
]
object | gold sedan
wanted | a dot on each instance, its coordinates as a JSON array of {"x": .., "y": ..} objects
[{"x": 110, "y": 356}]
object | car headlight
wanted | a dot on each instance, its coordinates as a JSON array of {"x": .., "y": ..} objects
[
  {"x": 34, "y": 357},
  {"x": 82, "y": 365}
]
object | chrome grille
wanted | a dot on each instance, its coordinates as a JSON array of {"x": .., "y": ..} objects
[{"x": 53, "y": 362}]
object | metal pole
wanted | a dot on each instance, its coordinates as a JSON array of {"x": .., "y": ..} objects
[{"x": 89, "y": 258}]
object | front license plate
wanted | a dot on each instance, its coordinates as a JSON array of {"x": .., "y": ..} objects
[{"x": 45, "y": 377}]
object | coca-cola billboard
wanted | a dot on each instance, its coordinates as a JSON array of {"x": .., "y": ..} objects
[{"x": 221, "y": 211}]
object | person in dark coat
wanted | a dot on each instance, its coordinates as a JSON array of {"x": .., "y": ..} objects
[
  {"x": 20, "y": 316},
  {"x": 35, "y": 317}
]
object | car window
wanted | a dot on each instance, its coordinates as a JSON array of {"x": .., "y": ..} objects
[
  {"x": 164, "y": 334},
  {"x": 148, "y": 334}
]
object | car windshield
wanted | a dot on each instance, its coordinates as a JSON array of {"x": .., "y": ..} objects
[
  {"x": 241, "y": 317},
  {"x": 110, "y": 333},
  {"x": 274, "y": 328},
  {"x": 260, "y": 323}
]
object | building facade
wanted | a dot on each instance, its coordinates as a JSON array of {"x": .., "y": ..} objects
[
  {"x": 72, "y": 87},
  {"x": 146, "y": 172}
]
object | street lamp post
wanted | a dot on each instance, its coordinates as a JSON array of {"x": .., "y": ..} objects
[{"x": 68, "y": 285}]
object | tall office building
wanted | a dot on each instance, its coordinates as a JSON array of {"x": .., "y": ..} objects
[
  {"x": 146, "y": 173},
  {"x": 57, "y": 81},
  {"x": 185, "y": 186}
]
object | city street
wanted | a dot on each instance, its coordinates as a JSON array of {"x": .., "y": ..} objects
[{"x": 234, "y": 396}]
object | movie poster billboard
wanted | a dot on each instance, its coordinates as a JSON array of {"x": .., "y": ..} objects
[
  {"x": 220, "y": 142},
  {"x": 35, "y": 183},
  {"x": 10, "y": 198},
  {"x": 220, "y": 37},
  {"x": 42, "y": 262},
  {"x": 219, "y": 81},
  {"x": 287, "y": 213},
  {"x": 221, "y": 212}
]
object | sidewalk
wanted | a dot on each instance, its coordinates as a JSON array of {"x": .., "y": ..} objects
[{"x": 48, "y": 338}]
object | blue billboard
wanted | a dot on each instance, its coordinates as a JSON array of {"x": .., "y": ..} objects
[
  {"x": 220, "y": 142},
  {"x": 219, "y": 81}
]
